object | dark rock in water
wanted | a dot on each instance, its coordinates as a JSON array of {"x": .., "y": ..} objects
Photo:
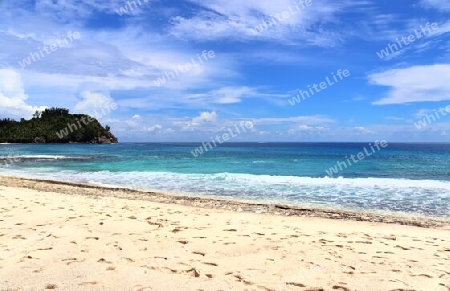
[
  {"x": 39, "y": 139},
  {"x": 108, "y": 139}
]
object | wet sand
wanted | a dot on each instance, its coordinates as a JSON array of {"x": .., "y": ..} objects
[{"x": 74, "y": 237}]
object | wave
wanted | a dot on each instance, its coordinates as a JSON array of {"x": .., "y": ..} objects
[
  {"x": 43, "y": 157},
  {"x": 427, "y": 197},
  {"x": 256, "y": 179},
  {"x": 338, "y": 181}
]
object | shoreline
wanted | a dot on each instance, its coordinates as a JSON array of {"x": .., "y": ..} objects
[
  {"x": 235, "y": 205},
  {"x": 55, "y": 236}
]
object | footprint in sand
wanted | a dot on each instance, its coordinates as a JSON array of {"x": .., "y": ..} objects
[
  {"x": 295, "y": 284},
  {"x": 92, "y": 237},
  {"x": 141, "y": 288},
  {"x": 340, "y": 288},
  {"x": 87, "y": 283}
]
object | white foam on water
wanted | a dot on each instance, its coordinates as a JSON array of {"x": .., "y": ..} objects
[
  {"x": 260, "y": 180},
  {"x": 43, "y": 157},
  {"x": 430, "y": 197}
]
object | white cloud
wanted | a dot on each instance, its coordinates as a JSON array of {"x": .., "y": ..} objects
[
  {"x": 308, "y": 128},
  {"x": 205, "y": 117},
  {"x": 227, "y": 95},
  {"x": 422, "y": 112},
  {"x": 443, "y": 5},
  {"x": 12, "y": 96},
  {"x": 154, "y": 128},
  {"x": 205, "y": 121},
  {"x": 68, "y": 9},
  {"x": 236, "y": 19},
  {"x": 394, "y": 118},
  {"x": 414, "y": 84},
  {"x": 311, "y": 119},
  {"x": 362, "y": 130},
  {"x": 97, "y": 104},
  {"x": 123, "y": 59},
  {"x": 231, "y": 94}
]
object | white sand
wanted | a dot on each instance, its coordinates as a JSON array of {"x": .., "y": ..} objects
[{"x": 73, "y": 242}]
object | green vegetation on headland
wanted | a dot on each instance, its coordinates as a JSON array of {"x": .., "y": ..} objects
[{"x": 55, "y": 125}]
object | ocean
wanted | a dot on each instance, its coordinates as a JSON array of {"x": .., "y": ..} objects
[{"x": 400, "y": 178}]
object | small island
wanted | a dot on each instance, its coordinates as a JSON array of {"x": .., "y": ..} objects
[{"x": 56, "y": 125}]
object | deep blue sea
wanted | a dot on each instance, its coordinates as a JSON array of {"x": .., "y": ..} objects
[{"x": 408, "y": 178}]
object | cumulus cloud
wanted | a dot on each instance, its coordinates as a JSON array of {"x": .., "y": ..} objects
[
  {"x": 154, "y": 128},
  {"x": 414, "y": 84},
  {"x": 12, "y": 96},
  {"x": 204, "y": 117},
  {"x": 97, "y": 104},
  {"x": 362, "y": 130},
  {"x": 205, "y": 121}
]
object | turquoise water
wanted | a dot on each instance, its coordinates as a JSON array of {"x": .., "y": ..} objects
[{"x": 411, "y": 178}]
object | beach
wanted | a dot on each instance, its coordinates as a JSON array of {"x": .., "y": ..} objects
[
  {"x": 75, "y": 237},
  {"x": 225, "y": 145}
]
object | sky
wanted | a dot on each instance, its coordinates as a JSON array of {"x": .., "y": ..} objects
[{"x": 188, "y": 70}]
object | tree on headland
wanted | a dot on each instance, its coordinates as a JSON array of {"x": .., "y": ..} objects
[
  {"x": 37, "y": 114},
  {"x": 54, "y": 111}
]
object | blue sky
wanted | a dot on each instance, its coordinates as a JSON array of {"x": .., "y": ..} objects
[{"x": 252, "y": 76}]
